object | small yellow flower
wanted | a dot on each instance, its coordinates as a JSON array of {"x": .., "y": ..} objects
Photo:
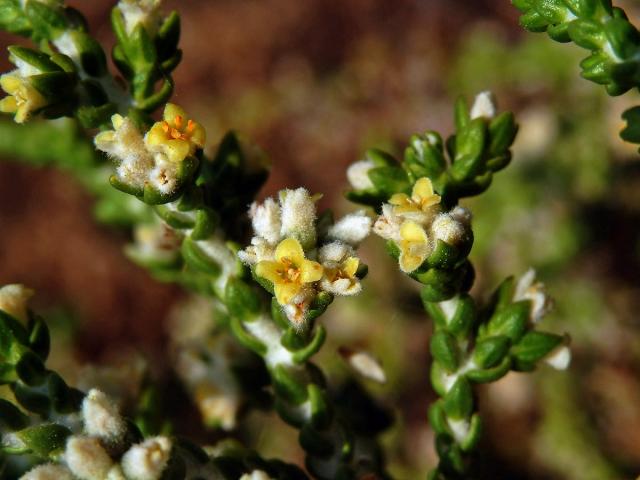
[
  {"x": 176, "y": 135},
  {"x": 414, "y": 246},
  {"x": 23, "y": 98},
  {"x": 421, "y": 200},
  {"x": 290, "y": 271},
  {"x": 346, "y": 270},
  {"x": 341, "y": 279}
]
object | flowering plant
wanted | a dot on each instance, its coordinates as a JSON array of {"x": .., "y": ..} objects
[{"x": 189, "y": 213}]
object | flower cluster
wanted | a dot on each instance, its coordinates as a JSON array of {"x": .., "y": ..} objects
[
  {"x": 159, "y": 161},
  {"x": 24, "y": 98},
  {"x": 417, "y": 222},
  {"x": 90, "y": 455},
  {"x": 300, "y": 254}
]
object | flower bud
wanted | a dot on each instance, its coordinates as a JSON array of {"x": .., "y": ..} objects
[
  {"x": 265, "y": 219},
  {"x": 351, "y": 229},
  {"x": 298, "y": 216},
  {"x": 86, "y": 458},
  {"x": 484, "y": 106},
  {"x": 101, "y": 417},
  {"x": 147, "y": 460},
  {"x": 48, "y": 471}
]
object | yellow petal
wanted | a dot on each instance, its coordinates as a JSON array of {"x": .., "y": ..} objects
[
  {"x": 310, "y": 271},
  {"x": 269, "y": 270},
  {"x": 156, "y": 135},
  {"x": 412, "y": 232},
  {"x": 423, "y": 188},
  {"x": 8, "y": 104},
  {"x": 104, "y": 138},
  {"x": 10, "y": 83},
  {"x": 116, "y": 120},
  {"x": 350, "y": 266},
  {"x": 171, "y": 111},
  {"x": 177, "y": 150},
  {"x": 408, "y": 262},
  {"x": 198, "y": 136},
  {"x": 399, "y": 199},
  {"x": 285, "y": 292},
  {"x": 290, "y": 248}
]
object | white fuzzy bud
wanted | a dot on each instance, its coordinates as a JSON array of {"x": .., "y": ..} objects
[
  {"x": 352, "y": 228},
  {"x": 559, "y": 358},
  {"x": 298, "y": 216},
  {"x": 484, "y": 106},
  {"x": 462, "y": 215},
  {"x": 446, "y": 228},
  {"x": 256, "y": 475},
  {"x": 147, "y": 460},
  {"x": 364, "y": 364},
  {"x": 101, "y": 417},
  {"x": 87, "y": 459},
  {"x": 48, "y": 472},
  {"x": 14, "y": 300},
  {"x": 358, "y": 174},
  {"x": 334, "y": 252},
  {"x": 265, "y": 219}
]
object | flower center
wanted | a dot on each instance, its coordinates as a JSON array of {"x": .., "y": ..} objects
[
  {"x": 179, "y": 131},
  {"x": 290, "y": 272}
]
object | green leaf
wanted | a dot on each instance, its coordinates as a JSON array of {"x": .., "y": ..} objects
[
  {"x": 48, "y": 22},
  {"x": 458, "y": 402},
  {"x": 30, "y": 369},
  {"x": 445, "y": 350},
  {"x": 44, "y": 439},
  {"x": 534, "y": 346},
  {"x": 470, "y": 144},
  {"x": 502, "y": 133},
  {"x": 390, "y": 180},
  {"x": 35, "y": 58},
  {"x": 491, "y": 351},
  {"x": 11, "y": 417},
  {"x": 510, "y": 321},
  {"x": 242, "y": 299}
]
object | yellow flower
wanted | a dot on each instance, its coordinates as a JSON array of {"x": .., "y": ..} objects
[
  {"x": 414, "y": 246},
  {"x": 177, "y": 136},
  {"x": 341, "y": 279},
  {"x": 421, "y": 200},
  {"x": 290, "y": 271},
  {"x": 23, "y": 98}
]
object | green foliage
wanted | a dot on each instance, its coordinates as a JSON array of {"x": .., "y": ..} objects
[
  {"x": 463, "y": 166},
  {"x": 601, "y": 28}
]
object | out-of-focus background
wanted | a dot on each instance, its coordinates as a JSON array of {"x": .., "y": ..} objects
[{"x": 317, "y": 82}]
